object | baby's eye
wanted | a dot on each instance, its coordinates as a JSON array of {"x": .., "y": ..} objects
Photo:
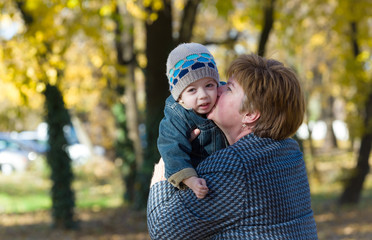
[
  {"x": 210, "y": 85},
  {"x": 190, "y": 90}
]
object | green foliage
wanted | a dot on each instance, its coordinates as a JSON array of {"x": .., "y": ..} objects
[
  {"x": 224, "y": 7},
  {"x": 63, "y": 199}
]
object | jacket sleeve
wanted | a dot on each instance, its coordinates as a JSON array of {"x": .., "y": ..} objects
[
  {"x": 174, "y": 146},
  {"x": 177, "y": 178},
  {"x": 174, "y": 214}
]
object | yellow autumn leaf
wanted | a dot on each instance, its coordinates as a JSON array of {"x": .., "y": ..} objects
[
  {"x": 309, "y": 75},
  {"x": 179, "y": 4},
  {"x": 32, "y": 5},
  {"x": 317, "y": 39},
  {"x": 52, "y": 75},
  {"x": 157, "y": 5},
  {"x": 40, "y": 87},
  {"x": 72, "y": 3},
  {"x": 153, "y": 17},
  {"x": 238, "y": 22},
  {"x": 39, "y": 36},
  {"x": 363, "y": 56},
  {"x": 135, "y": 10},
  {"x": 97, "y": 61},
  {"x": 106, "y": 10}
]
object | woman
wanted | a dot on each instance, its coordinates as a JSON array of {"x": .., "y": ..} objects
[{"x": 258, "y": 187}]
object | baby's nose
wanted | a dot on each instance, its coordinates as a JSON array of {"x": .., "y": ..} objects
[{"x": 202, "y": 93}]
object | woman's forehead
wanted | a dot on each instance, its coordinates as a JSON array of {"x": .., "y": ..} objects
[{"x": 231, "y": 82}]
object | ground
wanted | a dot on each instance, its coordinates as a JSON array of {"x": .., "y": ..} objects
[
  {"x": 351, "y": 224},
  {"x": 98, "y": 220},
  {"x": 123, "y": 224},
  {"x": 108, "y": 224}
]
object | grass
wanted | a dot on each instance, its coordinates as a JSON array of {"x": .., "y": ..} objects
[
  {"x": 25, "y": 204},
  {"x": 96, "y": 186}
]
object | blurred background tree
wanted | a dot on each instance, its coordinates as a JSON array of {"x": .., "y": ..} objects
[
  {"x": 108, "y": 60},
  {"x": 48, "y": 45},
  {"x": 63, "y": 199}
]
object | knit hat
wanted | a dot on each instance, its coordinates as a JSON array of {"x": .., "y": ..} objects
[{"x": 186, "y": 64}]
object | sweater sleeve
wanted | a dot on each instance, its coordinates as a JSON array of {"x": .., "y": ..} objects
[{"x": 174, "y": 214}]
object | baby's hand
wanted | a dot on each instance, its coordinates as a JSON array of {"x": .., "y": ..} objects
[{"x": 197, "y": 185}]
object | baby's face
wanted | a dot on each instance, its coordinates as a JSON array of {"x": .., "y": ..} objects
[{"x": 200, "y": 95}]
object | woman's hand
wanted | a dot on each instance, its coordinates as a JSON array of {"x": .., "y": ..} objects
[
  {"x": 194, "y": 134},
  {"x": 159, "y": 172}
]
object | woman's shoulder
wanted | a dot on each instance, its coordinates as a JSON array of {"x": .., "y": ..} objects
[
  {"x": 251, "y": 148},
  {"x": 226, "y": 160},
  {"x": 253, "y": 143},
  {"x": 259, "y": 151}
]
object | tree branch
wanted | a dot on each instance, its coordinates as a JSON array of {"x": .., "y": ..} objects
[
  {"x": 26, "y": 16},
  {"x": 267, "y": 26},
  {"x": 188, "y": 21},
  {"x": 229, "y": 40},
  {"x": 354, "y": 41}
]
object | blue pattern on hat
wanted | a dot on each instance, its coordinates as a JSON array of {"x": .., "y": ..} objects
[
  {"x": 193, "y": 56},
  {"x": 202, "y": 59},
  {"x": 174, "y": 82},
  {"x": 182, "y": 67},
  {"x": 211, "y": 65},
  {"x": 183, "y": 73},
  {"x": 188, "y": 64},
  {"x": 179, "y": 64},
  {"x": 176, "y": 73},
  {"x": 206, "y": 55},
  {"x": 197, "y": 65}
]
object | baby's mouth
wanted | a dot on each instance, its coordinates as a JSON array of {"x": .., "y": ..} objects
[{"x": 204, "y": 105}]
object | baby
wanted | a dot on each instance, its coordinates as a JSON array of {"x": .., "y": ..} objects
[{"x": 193, "y": 80}]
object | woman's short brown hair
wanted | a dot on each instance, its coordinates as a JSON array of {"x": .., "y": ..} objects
[{"x": 274, "y": 91}]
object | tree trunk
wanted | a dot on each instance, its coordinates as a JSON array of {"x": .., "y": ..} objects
[
  {"x": 63, "y": 198},
  {"x": 330, "y": 141},
  {"x": 131, "y": 154},
  {"x": 354, "y": 185},
  {"x": 267, "y": 26},
  {"x": 159, "y": 43}
]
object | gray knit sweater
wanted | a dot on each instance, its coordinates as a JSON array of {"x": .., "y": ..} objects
[{"x": 258, "y": 189}]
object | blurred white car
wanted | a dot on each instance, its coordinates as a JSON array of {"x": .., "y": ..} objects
[
  {"x": 11, "y": 161},
  {"x": 79, "y": 153}
]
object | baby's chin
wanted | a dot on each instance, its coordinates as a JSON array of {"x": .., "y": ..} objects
[
  {"x": 204, "y": 111},
  {"x": 210, "y": 113}
]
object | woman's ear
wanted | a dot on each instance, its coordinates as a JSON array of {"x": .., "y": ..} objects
[{"x": 250, "y": 118}]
